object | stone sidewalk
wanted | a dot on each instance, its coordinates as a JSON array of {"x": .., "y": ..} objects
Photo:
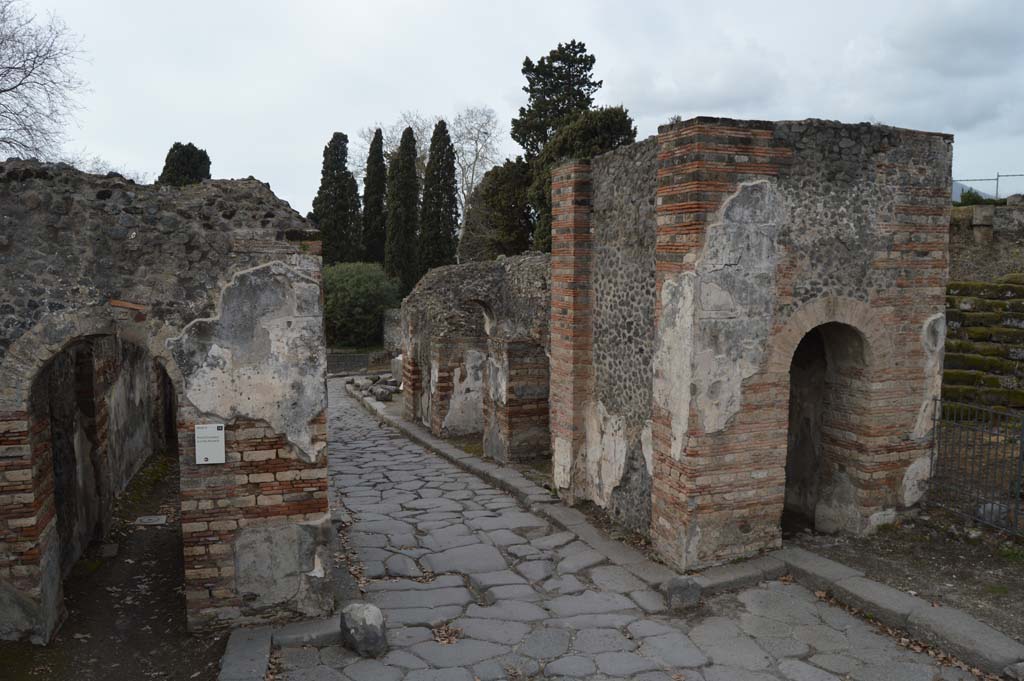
[{"x": 441, "y": 547}]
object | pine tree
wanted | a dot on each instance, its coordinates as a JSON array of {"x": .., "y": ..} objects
[
  {"x": 439, "y": 215},
  {"x": 336, "y": 206},
  {"x": 499, "y": 218},
  {"x": 590, "y": 133},
  {"x": 400, "y": 259},
  {"x": 374, "y": 189},
  {"x": 185, "y": 164},
  {"x": 560, "y": 87}
]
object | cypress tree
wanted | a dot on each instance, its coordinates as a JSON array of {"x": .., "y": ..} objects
[
  {"x": 439, "y": 216},
  {"x": 400, "y": 259},
  {"x": 374, "y": 189},
  {"x": 336, "y": 206},
  {"x": 185, "y": 164}
]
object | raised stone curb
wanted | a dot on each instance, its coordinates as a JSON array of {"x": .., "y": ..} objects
[
  {"x": 320, "y": 632},
  {"x": 740, "y": 575},
  {"x": 949, "y": 629},
  {"x": 247, "y": 655}
]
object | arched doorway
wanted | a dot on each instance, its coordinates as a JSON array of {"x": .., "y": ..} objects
[
  {"x": 98, "y": 410},
  {"x": 828, "y": 399}
]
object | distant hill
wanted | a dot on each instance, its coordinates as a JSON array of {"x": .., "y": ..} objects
[{"x": 959, "y": 187}]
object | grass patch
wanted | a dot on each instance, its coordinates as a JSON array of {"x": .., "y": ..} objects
[
  {"x": 997, "y": 589},
  {"x": 1012, "y": 553}
]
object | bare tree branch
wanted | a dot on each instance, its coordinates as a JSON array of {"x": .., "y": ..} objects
[{"x": 37, "y": 81}]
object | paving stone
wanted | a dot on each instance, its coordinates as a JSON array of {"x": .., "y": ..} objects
[
  {"x": 840, "y": 664},
  {"x": 592, "y": 621},
  {"x": 293, "y": 657},
  {"x": 423, "y": 617},
  {"x": 780, "y": 605},
  {"x": 493, "y": 630},
  {"x": 759, "y": 626},
  {"x": 891, "y": 671},
  {"x": 404, "y": 659},
  {"x": 525, "y": 551},
  {"x": 507, "y": 521},
  {"x": 402, "y": 566},
  {"x": 320, "y": 673},
  {"x": 601, "y": 641},
  {"x": 615, "y": 578},
  {"x": 324, "y": 631},
  {"x": 514, "y": 592},
  {"x": 426, "y": 598},
  {"x": 780, "y": 648},
  {"x": 461, "y": 653},
  {"x": 577, "y": 556},
  {"x": 653, "y": 573},
  {"x": 513, "y": 611},
  {"x": 649, "y": 601},
  {"x": 373, "y": 670},
  {"x": 247, "y": 654},
  {"x": 644, "y": 628},
  {"x": 505, "y": 538},
  {"x": 674, "y": 650},
  {"x": 567, "y": 584},
  {"x": 623, "y": 664},
  {"x": 438, "y": 582},
  {"x": 795, "y": 670},
  {"x": 466, "y": 559},
  {"x": 822, "y": 638},
  {"x": 575, "y": 666},
  {"x": 536, "y": 570},
  {"x": 482, "y": 581},
  {"x": 506, "y": 667},
  {"x": 724, "y": 673},
  {"x": 553, "y": 541},
  {"x": 337, "y": 656},
  {"x": 588, "y": 602},
  {"x": 544, "y": 644}
]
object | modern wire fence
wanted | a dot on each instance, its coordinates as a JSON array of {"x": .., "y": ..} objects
[{"x": 978, "y": 464}]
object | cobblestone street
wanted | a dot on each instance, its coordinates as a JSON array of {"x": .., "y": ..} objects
[{"x": 441, "y": 547}]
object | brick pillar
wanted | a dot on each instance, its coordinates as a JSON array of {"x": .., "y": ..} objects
[
  {"x": 700, "y": 163},
  {"x": 516, "y": 405},
  {"x": 571, "y": 318},
  {"x": 412, "y": 385}
]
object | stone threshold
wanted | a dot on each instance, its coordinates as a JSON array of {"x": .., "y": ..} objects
[{"x": 947, "y": 629}]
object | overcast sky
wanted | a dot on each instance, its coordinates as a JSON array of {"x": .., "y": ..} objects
[{"x": 262, "y": 85}]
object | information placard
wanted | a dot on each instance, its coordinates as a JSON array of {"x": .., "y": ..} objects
[{"x": 209, "y": 443}]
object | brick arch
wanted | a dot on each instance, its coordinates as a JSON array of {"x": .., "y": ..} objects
[
  {"x": 830, "y": 309},
  {"x": 854, "y": 498},
  {"x": 35, "y": 556}
]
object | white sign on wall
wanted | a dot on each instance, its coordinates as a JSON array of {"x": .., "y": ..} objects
[{"x": 209, "y": 443}]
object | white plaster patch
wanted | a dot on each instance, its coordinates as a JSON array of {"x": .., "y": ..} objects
[
  {"x": 647, "y": 446},
  {"x": 605, "y": 451},
  {"x": 466, "y": 408},
  {"x": 561, "y": 462},
  {"x": 933, "y": 338},
  {"x": 263, "y": 357},
  {"x": 915, "y": 479},
  {"x": 673, "y": 366}
]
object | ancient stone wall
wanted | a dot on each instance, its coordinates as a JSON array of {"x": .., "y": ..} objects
[
  {"x": 617, "y": 421},
  {"x": 987, "y": 242},
  {"x": 764, "y": 232},
  {"x": 474, "y": 351},
  {"x": 219, "y": 284},
  {"x": 984, "y": 362}
]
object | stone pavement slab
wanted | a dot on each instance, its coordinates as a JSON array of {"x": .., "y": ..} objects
[{"x": 534, "y": 591}]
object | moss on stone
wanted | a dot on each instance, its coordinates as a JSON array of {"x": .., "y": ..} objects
[
  {"x": 978, "y": 289},
  {"x": 995, "y": 334},
  {"x": 1017, "y": 278},
  {"x": 967, "y": 377},
  {"x": 987, "y": 396},
  {"x": 972, "y": 362}
]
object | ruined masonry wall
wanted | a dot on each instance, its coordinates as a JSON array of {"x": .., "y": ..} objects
[
  {"x": 984, "y": 361},
  {"x": 219, "y": 283},
  {"x": 618, "y": 455},
  {"x": 764, "y": 231}
]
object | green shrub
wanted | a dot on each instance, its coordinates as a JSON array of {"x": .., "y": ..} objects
[{"x": 355, "y": 297}]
